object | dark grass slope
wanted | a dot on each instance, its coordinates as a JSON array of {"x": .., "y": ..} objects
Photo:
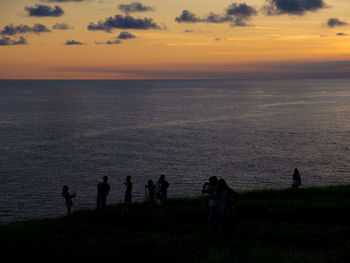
[{"x": 305, "y": 225}]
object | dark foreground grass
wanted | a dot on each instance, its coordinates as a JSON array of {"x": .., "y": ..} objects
[{"x": 305, "y": 225}]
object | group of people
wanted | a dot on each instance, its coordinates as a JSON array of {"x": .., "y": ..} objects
[
  {"x": 220, "y": 203},
  {"x": 154, "y": 192},
  {"x": 221, "y": 199}
]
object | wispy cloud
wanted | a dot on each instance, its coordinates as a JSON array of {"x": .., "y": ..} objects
[
  {"x": 334, "y": 22},
  {"x": 10, "y": 30},
  {"x": 61, "y": 1},
  {"x": 6, "y": 41},
  {"x": 134, "y": 7},
  {"x": 236, "y": 14},
  {"x": 61, "y": 26},
  {"x": 73, "y": 42}
]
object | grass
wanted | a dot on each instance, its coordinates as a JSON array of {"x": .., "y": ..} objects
[{"x": 305, "y": 225}]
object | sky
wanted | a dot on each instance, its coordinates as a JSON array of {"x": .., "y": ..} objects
[{"x": 167, "y": 39}]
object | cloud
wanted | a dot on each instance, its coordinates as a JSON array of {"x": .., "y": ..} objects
[
  {"x": 109, "y": 42},
  {"x": 11, "y": 30},
  {"x": 62, "y": 26},
  {"x": 134, "y": 7},
  {"x": 61, "y": 1},
  {"x": 292, "y": 7},
  {"x": 342, "y": 34},
  {"x": 73, "y": 42},
  {"x": 241, "y": 13},
  {"x": 123, "y": 22},
  {"x": 126, "y": 35},
  {"x": 333, "y": 22},
  {"x": 6, "y": 41},
  {"x": 189, "y": 31},
  {"x": 43, "y": 11},
  {"x": 118, "y": 40},
  {"x": 187, "y": 17},
  {"x": 216, "y": 18},
  {"x": 236, "y": 14}
]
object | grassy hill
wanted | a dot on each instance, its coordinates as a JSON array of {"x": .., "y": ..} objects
[{"x": 305, "y": 225}]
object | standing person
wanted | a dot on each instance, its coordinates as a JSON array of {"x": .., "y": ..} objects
[
  {"x": 128, "y": 194},
  {"x": 150, "y": 193},
  {"x": 211, "y": 189},
  {"x": 227, "y": 198},
  {"x": 163, "y": 188},
  {"x": 102, "y": 193},
  {"x": 68, "y": 198},
  {"x": 296, "y": 179}
]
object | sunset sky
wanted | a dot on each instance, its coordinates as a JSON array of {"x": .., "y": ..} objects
[{"x": 162, "y": 39}]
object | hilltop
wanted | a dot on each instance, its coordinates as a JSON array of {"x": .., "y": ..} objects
[{"x": 305, "y": 225}]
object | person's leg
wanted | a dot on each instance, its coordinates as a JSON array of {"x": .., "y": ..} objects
[
  {"x": 98, "y": 203},
  {"x": 103, "y": 203}
]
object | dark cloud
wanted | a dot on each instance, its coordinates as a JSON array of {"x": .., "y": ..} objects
[
  {"x": 292, "y": 7},
  {"x": 134, "y": 7},
  {"x": 342, "y": 34},
  {"x": 126, "y": 35},
  {"x": 61, "y": 1},
  {"x": 188, "y": 31},
  {"x": 109, "y": 42},
  {"x": 43, "y": 11},
  {"x": 236, "y": 14},
  {"x": 118, "y": 40},
  {"x": 6, "y": 41},
  {"x": 11, "y": 30},
  {"x": 216, "y": 18},
  {"x": 333, "y": 22},
  {"x": 61, "y": 26},
  {"x": 73, "y": 42},
  {"x": 187, "y": 17},
  {"x": 124, "y": 22},
  {"x": 243, "y": 10}
]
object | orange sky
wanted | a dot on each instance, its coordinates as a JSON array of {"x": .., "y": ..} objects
[{"x": 287, "y": 42}]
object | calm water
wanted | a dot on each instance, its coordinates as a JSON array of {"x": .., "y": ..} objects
[{"x": 252, "y": 133}]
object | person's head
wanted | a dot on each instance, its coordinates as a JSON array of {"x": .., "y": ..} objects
[
  {"x": 162, "y": 177},
  {"x": 222, "y": 184},
  {"x": 150, "y": 183},
  {"x": 213, "y": 179},
  {"x": 296, "y": 172},
  {"x": 128, "y": 178},
  {"x": 105, "y": 179},
  {"x": 65, "y": 189}
]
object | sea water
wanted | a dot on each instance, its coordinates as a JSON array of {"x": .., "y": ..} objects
[{"x": 252, "y": 133}]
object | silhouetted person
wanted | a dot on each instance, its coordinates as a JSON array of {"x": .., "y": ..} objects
[
  {"x": 163, "y": 185},
  {"x": 150, "y": 193},
  {"x": 128, "y": 194},
  {"x": 227, "y": 198},
  {"x": 212, "y": 191},
  {"x": 102, "y": 193},
  {"x": 68, "y": 198},
  {"x": 296, "y": 179}
]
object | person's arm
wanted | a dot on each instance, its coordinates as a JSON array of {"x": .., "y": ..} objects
[{"x": 205, "y": 188}]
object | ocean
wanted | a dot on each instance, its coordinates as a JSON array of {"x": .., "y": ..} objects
[{"x": 252, "y": 133}]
